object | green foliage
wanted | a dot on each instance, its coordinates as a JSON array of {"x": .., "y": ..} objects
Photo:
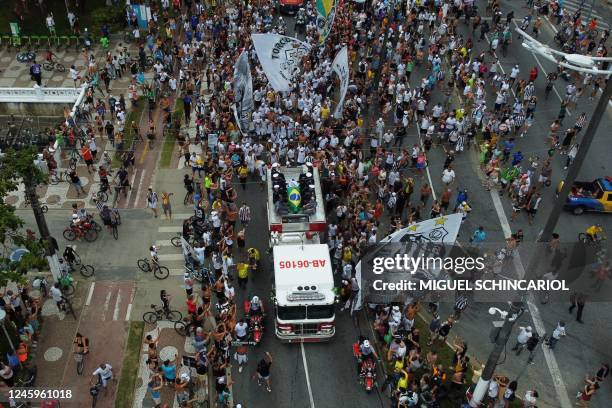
[
  {"x": 113, "y": 17},
  {"x": 16, "y": 166}
]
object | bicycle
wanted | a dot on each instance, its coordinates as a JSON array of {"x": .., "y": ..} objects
[
  {"x": 56, "y": 178},
  {"x": 184, "y": 327},
  {"x": 26, "y": 56},
  {"x": 79, "y": 357},
  {"x": 159, "y": 271},
  {"x": 53, "y": 65},
  {"x": 587, "y": 240},
  {"x": 94, "y": 390},
  {"x": 188, "y": 198},
  {"x": 68, "y": 307},
  {"x": 87, "y": 270},
  {"x": 43, "y": 207},
  {"x": 75, "y": 156},
  {"x": 159, "y": 313},
  {"x": 102, "y": 194},
  {"x": 71, "y": 233}
]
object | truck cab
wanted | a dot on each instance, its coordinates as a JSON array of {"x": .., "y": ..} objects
[
  {"x": 595, "y": 196},
  {"x": 303, "y": 293}
]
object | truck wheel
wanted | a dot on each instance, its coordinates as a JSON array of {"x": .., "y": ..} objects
[{"x": 578, "y": 210}]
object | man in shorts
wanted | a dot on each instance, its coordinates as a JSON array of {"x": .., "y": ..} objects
[
  {"x": 241, "y": 356},
  {"x": 263, "y": 371},
  {"x": 154, "y": 385},
  {"x": 105, "y": 373}
]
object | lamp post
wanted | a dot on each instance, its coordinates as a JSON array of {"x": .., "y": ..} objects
[
  {"x": 580, "y": 63},
  {"x": 510, "y": 317}
]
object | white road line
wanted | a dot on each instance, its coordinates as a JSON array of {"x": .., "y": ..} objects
[
  {"x": 170, "y": 228},
  {"x": 117, "y": 305},
  {"x": 136, "y": 203},
  {"x": 163, "y": 242},
  {"x": 551, "y": 361},
  {"x": 106, "y": 304},
  {"x": 128, "y": 313},
  {"x": 182, "y": 216},
  {"x": 433, "y": 190},
  {"x": 90, "y": 293},
  {"x": 132, "y": 185},
  {"x": 171, "y": 257},
  {"x": 312, "y": 405}
]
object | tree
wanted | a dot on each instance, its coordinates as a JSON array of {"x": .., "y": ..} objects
[{"x": 17, "y": 167}]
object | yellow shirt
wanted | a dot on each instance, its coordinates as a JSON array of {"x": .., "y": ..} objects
[
  {"x": 324, "y": 112},
  {"x": 243, "y": 270}
]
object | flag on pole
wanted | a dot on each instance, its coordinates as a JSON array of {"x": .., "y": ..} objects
[
  {"x": 326, "y": 12},
  {"x": 243, "y": 91},
  {"x": 280, "y": 57},
  {"x": 341, "y": 68}
]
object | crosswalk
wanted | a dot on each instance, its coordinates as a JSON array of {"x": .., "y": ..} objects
[
  {"x": 169, "y": 255},
  {"x": 585, "y": 5}
]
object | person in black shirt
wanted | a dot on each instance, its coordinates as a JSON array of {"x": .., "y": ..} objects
[{"x": 263, "y": 371}]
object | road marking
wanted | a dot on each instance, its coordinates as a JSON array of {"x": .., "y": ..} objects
[
  {"x": 182, "y": 216},
  {"x": 106, "y": 304},
  {"x": 170, "y": 228},
  {"x": 139, "y": 188},
  {"x": 551, "y": 361},
  {"x": 163, "y": 242},
  {"x": 117, "y": 305},
  {"x": 312, "y": 405},
  {"x": 177, "y": 272},
  {"x": 144, "y": 152},
  {"x": 171, "y": 257},
  {"x": 129, "y": 308},
  {"x": 416, "y": 122},
  {"x": 90, "y": 294}
]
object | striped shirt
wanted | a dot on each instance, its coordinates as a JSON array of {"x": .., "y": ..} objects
[
  {"x": 519, "y": 119},
  {"x": 244, "y": 213},
  {"x": 581, "y": 121}
]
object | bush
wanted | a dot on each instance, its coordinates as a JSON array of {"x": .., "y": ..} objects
[{"x": 113, "y": 17}]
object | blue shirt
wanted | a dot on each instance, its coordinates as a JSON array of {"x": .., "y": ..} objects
[{"x": 169, "y": 371}]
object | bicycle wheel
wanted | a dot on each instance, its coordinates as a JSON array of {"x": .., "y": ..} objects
[
  {"x": 174, "y": 316},
  {"x": 87, "y": 270},
  {"x": 68, "y": 290},
  {"x": 80, "y": 365},
  {"x": 69, "y": 234},
  {"x": 181, "y": 328},
  {"x": 77, "y": 258},
  {"x": 144, "y": 265},
  {"x": 91, "y": 235},
  {"x": 161, "y": 272},
  {"x": 59, "y": 67},
  {"x": 54, "y": 179},
  {"x": 115, "y": 231},
  {"x": 176, "y": 241},
  {"x": 44, "y": 208},
  {"x": 96, "y": 226},
  {"x": 150, "y": 317},
  {"x": 22, "y": 57},
  {"x": 48, "y": 66}
]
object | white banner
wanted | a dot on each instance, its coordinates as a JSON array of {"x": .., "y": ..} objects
[
  {"x": 341, "y": 67},
  {"x": 280, "y": 57},
  {"x": 243, "y": 90}
]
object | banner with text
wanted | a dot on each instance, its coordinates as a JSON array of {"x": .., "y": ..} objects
[
  {"x": 280, "y": 57},
  {"x": 341, "y": 67},
  {"x": 243, "y": 90},
  {"x": 326, "y": 12}
]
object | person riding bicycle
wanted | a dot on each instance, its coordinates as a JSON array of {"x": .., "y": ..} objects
[
  {"x": 69, "y": 255},
  {"x": 188, "y": 183},
  {"x": 256, "y": 306},
  {"x": 49, "y": 56},
  {"x": 153, "y": 252},
  {"x": 593, "y": 231},
  {"x": 107, "y": 216},
  {"x": 165, "y": 300},
  {"x": 103, "y": 174},
  {"x": 122, "y": 176},
  {"x": 81, "y": 344}
]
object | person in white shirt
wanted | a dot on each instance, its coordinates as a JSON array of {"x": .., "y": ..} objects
[
  {"x": 448, "y": 175},
  {"x": 556, "y": 334},
  {"x": 522, "y": 338},
  {"x": 105, "y": 373}
]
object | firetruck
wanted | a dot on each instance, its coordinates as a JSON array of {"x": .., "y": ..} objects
[{"x": 303, "y": 291}]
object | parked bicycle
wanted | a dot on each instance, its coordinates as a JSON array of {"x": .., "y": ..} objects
[
  {"x": 159, "y": 313},
  {"x": 53, "y": 66},
  {"x": 56, "y": 178},
  {"x": 26, "y": 56},
  {"x": 79, "y": 357},
  {"x": 159, "y": 271}
]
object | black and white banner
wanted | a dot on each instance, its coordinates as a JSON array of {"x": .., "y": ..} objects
[
  {"x": 280, "y": 57},
  {"x": 243, "y": 90},
  {"x": 341, "y": 67}
]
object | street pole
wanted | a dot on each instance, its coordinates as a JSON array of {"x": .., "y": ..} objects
[
  {"x": 573, "y": 171},
  {"x": 500, "y": 344},
  {"x": 49, "y": 242}
]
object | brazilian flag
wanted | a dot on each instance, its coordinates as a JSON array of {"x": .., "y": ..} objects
[{"x": 295, "y": 199}]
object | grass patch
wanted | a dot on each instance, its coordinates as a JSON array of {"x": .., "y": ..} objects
[
  {"x": 134, "y": 115},
  {"x": 170, "y": 135},
  {"x": 131, "y": 362},
  {"x": 445, "y": 357},
  {"x": 32, "y": 21}
]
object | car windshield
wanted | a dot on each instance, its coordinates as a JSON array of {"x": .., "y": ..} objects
[
  {"x": 320, "y": 312},
  {"x": 292, "y": 312}
]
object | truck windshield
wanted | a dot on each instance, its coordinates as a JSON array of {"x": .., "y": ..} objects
[
  {"x": 292, "y": 312},
  {"x": 303, "y": 313}
]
